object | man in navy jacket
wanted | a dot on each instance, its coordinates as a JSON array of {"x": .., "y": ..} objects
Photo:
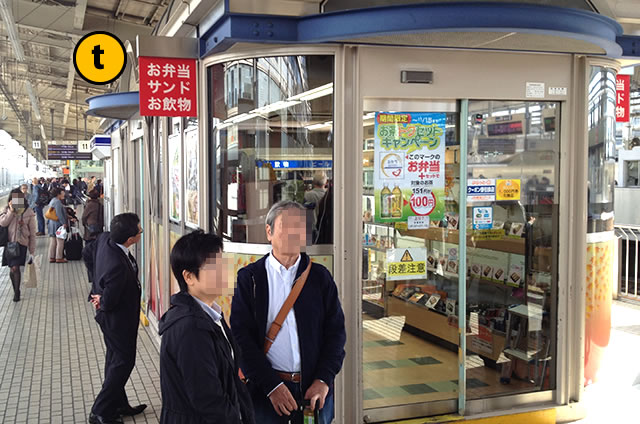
[
  {"x": 308, "y": 352},
  {"x": 115, "y": 293}
]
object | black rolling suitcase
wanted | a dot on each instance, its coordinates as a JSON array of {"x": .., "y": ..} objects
[{"x": 73, "y": 247}]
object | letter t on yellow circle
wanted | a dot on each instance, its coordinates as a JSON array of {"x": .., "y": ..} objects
[{"x": 99, "y": 57}]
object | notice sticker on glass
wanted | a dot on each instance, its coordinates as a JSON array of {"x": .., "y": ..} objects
[
  {"x": 535, "y": 90},
  {"x": 406, "y": 264},
  {"x": 482, "y": 218},
  {"x": 507, "y": 189},
  {"x": 481, "y": 190},
  {"x": 418, "y": 222}
]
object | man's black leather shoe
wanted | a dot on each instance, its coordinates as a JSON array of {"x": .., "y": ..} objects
[
  {"x": 97, "y": 419},
  {"x": 132, "y": 410}
]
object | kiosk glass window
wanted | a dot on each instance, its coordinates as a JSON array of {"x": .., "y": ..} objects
[
  {"x": 271, "y": 123},
  {"x": 601, "y": 122}
]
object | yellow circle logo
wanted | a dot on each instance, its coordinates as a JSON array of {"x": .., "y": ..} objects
[{"x": 99, "y": 57}]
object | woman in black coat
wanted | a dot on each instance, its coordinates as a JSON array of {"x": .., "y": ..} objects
[{"x": 198, "y": 356}]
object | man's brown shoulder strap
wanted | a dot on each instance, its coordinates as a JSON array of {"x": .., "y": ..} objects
[{"x": 276, "y": 326}]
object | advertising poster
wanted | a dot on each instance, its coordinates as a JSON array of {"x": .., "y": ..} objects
[
  {"x": 175, "y": 178},
  {"x": 409, "y": 165},
  {"x": 192, "y": 177}
]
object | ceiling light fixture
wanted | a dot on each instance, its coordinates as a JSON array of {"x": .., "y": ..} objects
[
  {"x": 323, "y": 90},
  {"x": 12, "y": 30},
  {"x": 34, "y": 99}
]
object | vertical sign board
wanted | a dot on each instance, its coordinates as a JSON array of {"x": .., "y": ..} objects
[
  {"x": 168, "y": 87},
  {"x": 622, "y": 98},
  {"x": 409, "y": 175}
]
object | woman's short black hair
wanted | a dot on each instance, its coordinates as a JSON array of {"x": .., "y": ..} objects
[
  {"x": 55, "y": 192},
  {"x": 124, "y": 226},
  {"x": 191, "y": 252},
  {"x": 15, "y": 192}
]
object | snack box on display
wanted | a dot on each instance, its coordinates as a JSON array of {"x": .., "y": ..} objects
[
  {"x": 433, "y": 301},
  {"x": 450, "y": 307}
]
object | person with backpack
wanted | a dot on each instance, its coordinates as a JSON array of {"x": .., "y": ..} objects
[
  {"x": 40, "y": 199},
  {"x": 21, "y": 228}
]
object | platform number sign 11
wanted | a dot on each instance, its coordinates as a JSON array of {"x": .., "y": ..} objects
[{"x": 168, "y": 87}]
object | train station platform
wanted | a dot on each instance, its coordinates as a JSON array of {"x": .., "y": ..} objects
[{"x": 52, "y": 352}]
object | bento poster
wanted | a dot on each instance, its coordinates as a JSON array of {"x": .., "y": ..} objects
[{"x": 409, "y": 163}]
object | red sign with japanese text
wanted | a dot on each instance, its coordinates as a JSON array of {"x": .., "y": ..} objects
[
  {"x": 168, "y": 87},
  {"x": 622, "y": 98}
]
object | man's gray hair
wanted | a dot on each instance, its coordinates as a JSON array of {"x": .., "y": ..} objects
[
  {"x": 319, "y": 179},
  {"x": 277, "y": 209}
]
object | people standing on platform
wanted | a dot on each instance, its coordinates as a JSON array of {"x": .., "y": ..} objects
[
  {"x": 315, "y": 195},
  {"x": 92, "y": 183},
  {"x": 76, "y": 192},
  {"x": 21, "y": 224},
  {"x": 115, "y": 293},
  {"x": 56, "y": 247},
  {"x": 24, "y": 188},
  {"x": 39, "y": 199},
  {"x": 100, "y": 187},
  {"x": 304, "y": 357},
  {"x": 54, "y": 184},
  {"x": 93, "y": 224},
  {"x": 198, "y": 356},
  {"x": 84, "y": 186}
]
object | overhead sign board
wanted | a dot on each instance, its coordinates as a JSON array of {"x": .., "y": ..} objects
[
  {"x": 37, "y": 144},
  {"x": 168, "y": 86},
  {"x": 66, "y": 152}
]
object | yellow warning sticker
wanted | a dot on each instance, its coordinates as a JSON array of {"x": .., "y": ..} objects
[
  {"x": 406, "y": 257},
  {"x": 406, "y": 264}
]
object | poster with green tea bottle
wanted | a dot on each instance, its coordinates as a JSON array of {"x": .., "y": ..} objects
[{"x": 409, "y": 163}]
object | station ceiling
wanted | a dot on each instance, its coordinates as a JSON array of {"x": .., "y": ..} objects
[{"x": 44, "y": 81}]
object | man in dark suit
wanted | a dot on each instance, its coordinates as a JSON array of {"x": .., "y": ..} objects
[{"x": 115, "y": 293}]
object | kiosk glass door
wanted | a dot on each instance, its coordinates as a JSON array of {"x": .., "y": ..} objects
[{"x": 410, "y": 254}]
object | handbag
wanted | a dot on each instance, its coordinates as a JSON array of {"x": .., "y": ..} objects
[
  {"x": 61, "y": 233},
  {"x": 12, "y": 249},
  {"x": 51, "y": 214},
  {"x": 32, "y": 273},
  {"x": 4, "y": 236}
]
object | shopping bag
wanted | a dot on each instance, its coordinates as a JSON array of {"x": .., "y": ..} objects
[
  {"x": 61, "y": 233},
  {"x": 32, "y": 272}
]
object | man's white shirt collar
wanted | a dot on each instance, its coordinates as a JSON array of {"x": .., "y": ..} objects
[{"x": 277, "y": 266}]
